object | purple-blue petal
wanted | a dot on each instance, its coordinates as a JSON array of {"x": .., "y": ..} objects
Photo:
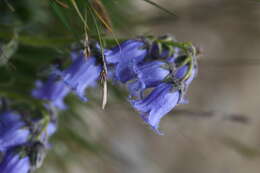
[
  {"x": 53, "y": 90},
  {"x": 81, "y": 74},
  {"x": 181, "y": 72},
  {"x": 157, "y": 104},
  {"x": 13, "y": 131},
  {"x": 124, "y": 71},
  {"x": 148, "y": 75},
  {"x": 135, "y": 88},
  {"x": 130, "y": 49},
  {"x": 51, "y": 128},
  {"x": 125, "y": 56},
  {"x": 152, "y": 74},
  {"x": 14, "y": 163}
]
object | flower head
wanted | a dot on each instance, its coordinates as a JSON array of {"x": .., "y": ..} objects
[{"x": 165, "y": 73}]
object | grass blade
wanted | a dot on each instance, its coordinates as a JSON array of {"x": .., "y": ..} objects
[
  {"x": 102, "y": 15},
  {"x": 61, "y": 16},
  {"x": 160, "y": 7}
]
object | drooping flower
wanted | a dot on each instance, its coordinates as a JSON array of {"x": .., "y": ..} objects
[
  {"x": 166, "y": 74},
  {"x": 157, "y": 104},
  {"x": 53, "y": 91},
  {"x": 125, "y": 56},
  {"x": 13, "y": 131},
  {"x": 14, "y": 162},
  {"x": 148, "y": 75},
  {"x": 164, "y": 97},
  {"x": 81, "y": 74}
]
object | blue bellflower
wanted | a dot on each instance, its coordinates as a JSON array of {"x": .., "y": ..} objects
[
  {"x": 157, "y": 104},
  {"x": 53, "y": 91},
  {"x": 14, "y": 163},
  {"x": 81, "y": 74},
  {"x": 164, "y": 79},
  {"x": 162, "y": 99},
  {"x": 125, "y": 56},
  {"x": 148, "y": 75},
  {"x": 13, "y": 131}
]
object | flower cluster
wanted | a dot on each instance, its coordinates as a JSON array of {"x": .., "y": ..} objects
[
  {"x": 156, "y": 71},
  {"x": 81, "y": 74},
  {"x": 23, "y": 142}
]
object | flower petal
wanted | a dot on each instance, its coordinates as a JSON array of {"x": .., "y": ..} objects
[
  {"x": 13, "y": 162},
  {"x": 82, "y": 73},
  {"x": 157, "y": 104},
  {"x": 12, "y": 131},
  {"x": 53, "y": 91}
]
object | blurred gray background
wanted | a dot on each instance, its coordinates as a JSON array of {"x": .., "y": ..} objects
[{"x": 218, "y": 131}]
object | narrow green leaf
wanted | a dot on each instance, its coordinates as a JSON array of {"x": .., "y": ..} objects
[
  {"x": 104, "y": 73},
  {"x": 160, "y": 7},
  {"x": 79, "y": 13},
  {"x": 58, "y": 11}
]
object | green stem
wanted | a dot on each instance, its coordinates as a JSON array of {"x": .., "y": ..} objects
[
  {"x": 46, "y": 120},
  {"x": 188, "y": 74}
]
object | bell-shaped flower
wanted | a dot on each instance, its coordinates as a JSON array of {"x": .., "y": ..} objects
[
  {"x": 165, "y": 95},
  {"x": 157, "y": 104},
  {"x": 14, "y": 163},
  {"x": 148, "y": 75},
  {"x": 82, "y": 73},
  {"x": 13, "y": 131},
  {"x": 125, "y": 56},
  {"x": 53, "y": 91}
]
